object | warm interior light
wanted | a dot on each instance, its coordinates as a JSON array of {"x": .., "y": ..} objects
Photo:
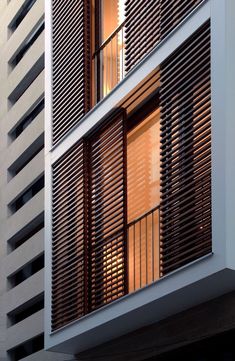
[
  {"x": 143, "y": 194},
  {"x": 112, "y": 60}
]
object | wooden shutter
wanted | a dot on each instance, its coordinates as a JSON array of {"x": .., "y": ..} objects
[
  {"x": 186, "y": 153},
  {"x": 148, "y": 22},
  {"x": 68, "y": 238},
  {"x": 71, "y": 64},
  {"x": 142, "y": 29},
  {"x": 173, "y": 12},
  {"x": 107, "y": 213}
]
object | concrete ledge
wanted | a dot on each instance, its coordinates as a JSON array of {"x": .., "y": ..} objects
[
  {"x": 24, "y": 292},
  {"x": 25, "y": 253},
  {"x": 30, "y": 173},
  {"x": 27, "y": 213},
  {"x": 31, "y": 21},
  {"x": 27, "y": 70},
  {"x": 31, "y": 96},
  {"x": 47, "y": 356},
  {"x": 147, "y": 306},
  {"x": 32, "y": 326},
  {"x": 27, "y": 137}
]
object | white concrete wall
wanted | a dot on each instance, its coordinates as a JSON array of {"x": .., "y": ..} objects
[{"x": 28, "y": 75}]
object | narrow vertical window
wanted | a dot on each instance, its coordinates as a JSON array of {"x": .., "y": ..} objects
[
  {"x": 108, "y": 46},
  {"x": 143, "y": 198}
]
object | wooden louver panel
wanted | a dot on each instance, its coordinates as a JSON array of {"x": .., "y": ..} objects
[
  {"x": 148, "y": 22},
  {"x": 71, "y": 64},
  {"x": 174, "y": 11},
  {"x": 186, "y": 153},
  {"x": 107, "y": 213},
  {"x": 142, "y": 29},
  {"x": 68, "y": 229}
]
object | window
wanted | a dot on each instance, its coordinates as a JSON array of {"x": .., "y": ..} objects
[
  {"x": 27, "y": 120},
  {"x": 143, "y": 199},
  {"x": 27, "y": 309},
  {"x": 27, "y": 348},
  {"x": 108, "y": 45},
  {"x": 27, "y": 195},
  {"x": 27, "y": 45},
  {"x": 26, "y": 271},
  {"x": 21, "y": 15}
]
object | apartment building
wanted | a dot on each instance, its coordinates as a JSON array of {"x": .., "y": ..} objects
[
  {"x": 22, "y": 181},
  {"x": 140, "y": 179}
]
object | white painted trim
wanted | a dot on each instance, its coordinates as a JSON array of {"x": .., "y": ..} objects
[
  {"x": 48, "y": 168},
  {"x": 48, "y": 76},
  {"x": 217, "y": 126},
  {"x": 229, "y": 72}
]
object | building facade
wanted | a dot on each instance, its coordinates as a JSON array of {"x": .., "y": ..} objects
[
  {"x": 139, "y": 182},
  {"x": 22, "y": 181}
]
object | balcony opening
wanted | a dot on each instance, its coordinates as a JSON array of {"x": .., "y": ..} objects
[
  {"x": 143, "y": 199},
  {"x": 108, "y": 46}
]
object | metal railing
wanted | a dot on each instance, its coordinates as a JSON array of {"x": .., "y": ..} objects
[
  {"x": 143, "y": 249},
  {"x": 108, "y": 62}
]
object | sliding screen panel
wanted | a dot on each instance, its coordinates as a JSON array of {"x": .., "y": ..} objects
[
  {"x": 142, "y": 29},
  {"x": 150, "y": 21},
  {"x": 107, "y": 217},
  {"x": 70, "y": 64},
  {"x": 185, "y": 100},
  {"x": 173, "y": 12},
  {"x": 68, "y": 238}
]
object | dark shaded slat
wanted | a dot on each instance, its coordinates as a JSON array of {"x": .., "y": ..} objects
[{"x": 185, "y": 211}]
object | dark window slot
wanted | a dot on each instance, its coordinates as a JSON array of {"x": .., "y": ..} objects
[
  {"x": 21, "y": 15},
  {"x": 27, "y": 195},
  {"x": 27, "y": 80},
  {"x": 27, "y": 348},
  {"x": 27, "y": 156},
  {"x": 17, "y": 58},
  {"x": 27, "y": 120},
  {"x": 26, "y": 310},
  {"x": 27, "y": 271},
  {"x": 26, "y": 233}
]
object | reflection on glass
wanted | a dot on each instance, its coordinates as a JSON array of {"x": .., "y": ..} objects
[{"x": 143, "y": 195}]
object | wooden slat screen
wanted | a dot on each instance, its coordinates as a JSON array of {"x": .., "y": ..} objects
[
  {"x": 148, "y": 22},
  {"x": 88, "y": 224},
  {"x": 107, "y": 213},
  {"x": 173, "y": 12},
  {"x": 68, "y": 241},
  {"x": 142, "y": 30},
  {"x": 71, "y": 64},
  {"x": 186, "y": 153}
]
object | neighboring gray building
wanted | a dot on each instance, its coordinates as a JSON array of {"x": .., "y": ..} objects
[{"x": 22, "y": 181}]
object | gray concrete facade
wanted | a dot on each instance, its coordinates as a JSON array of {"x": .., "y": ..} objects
[{"x": 21, "y": 181}]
